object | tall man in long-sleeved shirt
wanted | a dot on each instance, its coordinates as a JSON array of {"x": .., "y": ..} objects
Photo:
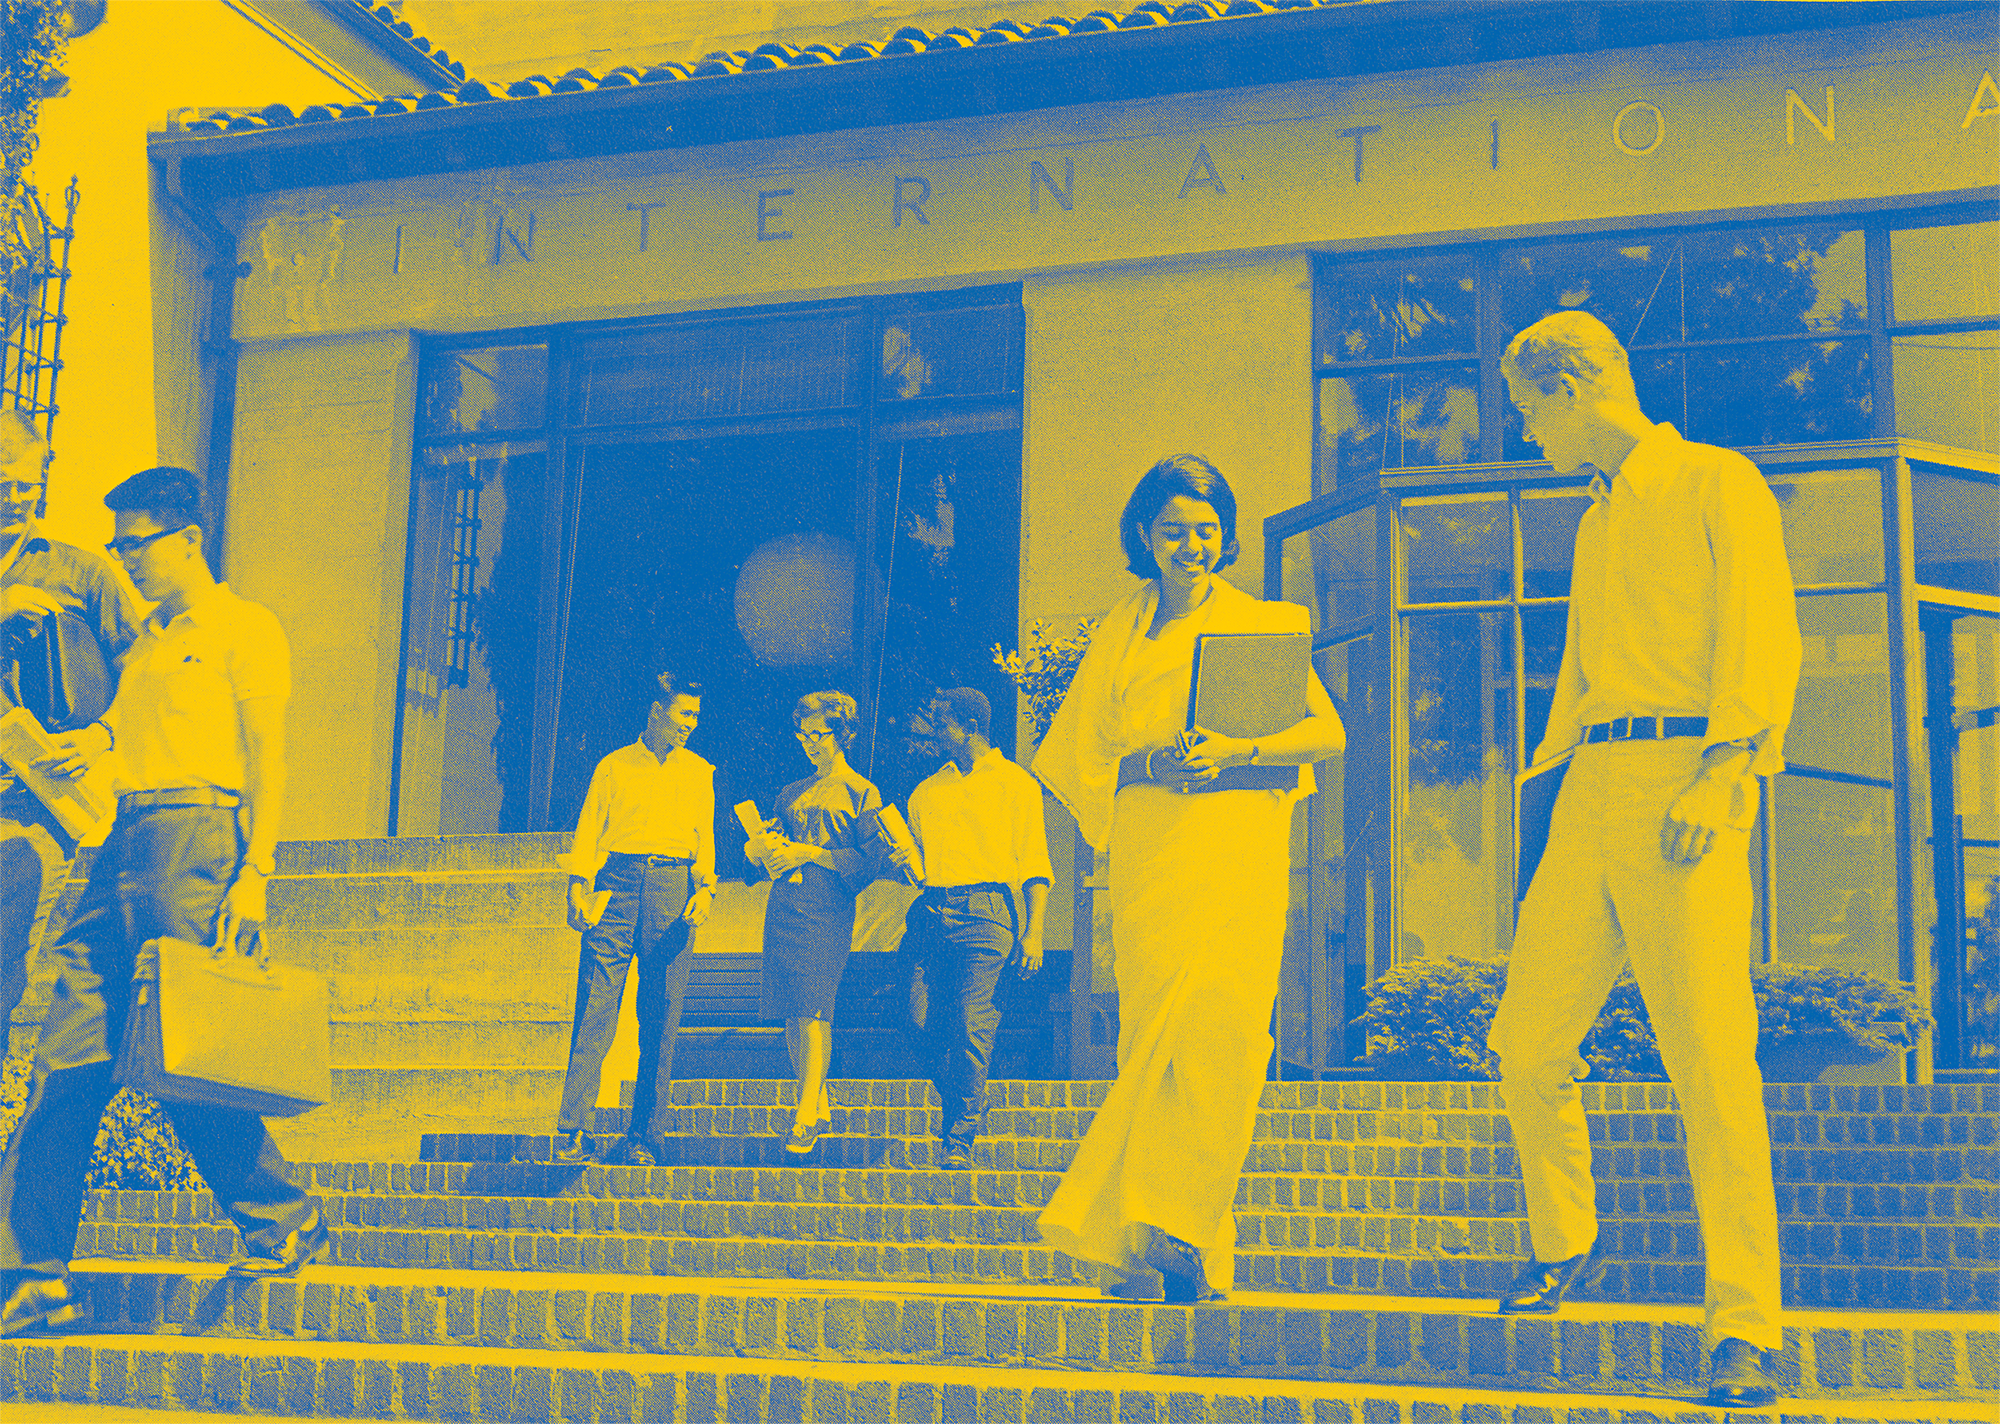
[
  {"x": 978, "y": 826},
  {"x": 42, "y": 578},
  {"x": 1677, "y": 682},
  {"x": 646, "y": 835}
]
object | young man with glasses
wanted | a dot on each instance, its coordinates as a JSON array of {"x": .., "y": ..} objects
[
  {"x": 978, "y": 825},
  {"x": 646, "y": 840},
  {"x": 200, "y": 723},
  {"x": 1678, "y": 675},
  {"x": 39, "y": 579}
]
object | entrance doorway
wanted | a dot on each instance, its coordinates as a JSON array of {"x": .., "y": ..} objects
[{"x": 1961, "y": 667}]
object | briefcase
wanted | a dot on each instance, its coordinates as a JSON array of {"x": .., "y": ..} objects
[
  {"x": 59, "y": 672},
  {"x": 226, "y": 1031}
]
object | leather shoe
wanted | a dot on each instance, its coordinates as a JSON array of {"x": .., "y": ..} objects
[
  {"x": 36, "y": 1302},
  {"x": 1739, "y": 1377},
  {"x": 308, "y": 1241},
  {"x": 1182, "y": 1279},
  {"x": 575, "y": 1148},
  {"x": 1540, "y": 1287},
  {"x": 632, "y": 1152},
  {"x": 957, "y": 1157}
]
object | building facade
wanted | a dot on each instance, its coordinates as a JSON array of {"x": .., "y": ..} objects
[{"x": 834, "y": 369}]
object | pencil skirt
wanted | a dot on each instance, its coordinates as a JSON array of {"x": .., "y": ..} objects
[{"x": 808, "y": 933}]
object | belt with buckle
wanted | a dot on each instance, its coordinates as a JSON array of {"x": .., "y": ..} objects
[
  {"x": 176, "y": 797},
  {"x": 649, "y": 859},
  {"x": 995, "y": 886},
  {"x": 1645, "y": 729}
]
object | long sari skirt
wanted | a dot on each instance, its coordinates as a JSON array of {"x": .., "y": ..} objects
[{"x": 1199, "y": 886}]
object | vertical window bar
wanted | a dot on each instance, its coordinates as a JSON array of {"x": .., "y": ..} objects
[
  {"x": 1875, "y": 269},
  {"x": 1491, "y": 340}
]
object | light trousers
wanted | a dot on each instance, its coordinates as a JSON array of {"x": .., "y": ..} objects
[{"x": 1603, "y": 897}]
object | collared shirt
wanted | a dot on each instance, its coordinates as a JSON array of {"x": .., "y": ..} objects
[
  {"x": 175, "y": 719},
  {"x": 1681, "y": 601},
  {"x": 982, "y": 825},
  {"x": 640, "y": 804}
]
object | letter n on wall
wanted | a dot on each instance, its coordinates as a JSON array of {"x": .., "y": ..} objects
[{"x": 509, "y": 233}]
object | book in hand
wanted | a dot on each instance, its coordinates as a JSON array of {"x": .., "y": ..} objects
[
  {"x": 1535, "y": 792},
  {"x": 1247, "y": 686},
  {"x": 896, "y": 831},
  {"x": 754, "y": 826},
  {"x": 81, "y": 804},
  {"x": 594, "y": 905}
]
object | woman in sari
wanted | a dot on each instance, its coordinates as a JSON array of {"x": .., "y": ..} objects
[
  {"x": 1199, "y": 838},
  {"x": 819, "y": 855}
]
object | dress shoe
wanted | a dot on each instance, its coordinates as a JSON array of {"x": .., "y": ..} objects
[
  {"x": 1739, "y": 1378},
  {"x": 957, "y": 1157},
  {"x": 308, "y": 1241},
  {"x": 804, "y": 1136},
  {"x": 36, "y": 1302},
  {"x": 575, "y": 1148},
  {"x": 1133, "y": 1293},
  {"x": 1540, "y": 1287},
  {"x": 1182, "y": 1279},
  {"x": 632, "y": 1152}
]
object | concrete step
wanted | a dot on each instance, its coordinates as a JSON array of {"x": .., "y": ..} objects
[
  {"x": 346, "y": 1380},
  {"x": 1593, "y": 1348}
]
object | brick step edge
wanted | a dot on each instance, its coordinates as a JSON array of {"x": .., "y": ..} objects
[
  {"x": 1878, "y": 1357},
  {"x": 1410, "y": 1235},
  {"x": 434, "y": 1382},
  {"x": 1806, "y": 1287}
]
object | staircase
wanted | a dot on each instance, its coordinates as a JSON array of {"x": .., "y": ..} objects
[{"x": 1375, "y": 1221}]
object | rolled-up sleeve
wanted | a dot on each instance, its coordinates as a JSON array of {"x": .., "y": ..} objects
[
  {"x": 704, "y": 829},
  {"x": 1755, "y": 673},
  {"x": 1564, "y": 730},
  {"x": 586, "y": 849},
  {"x": 1031, "y": 836}
]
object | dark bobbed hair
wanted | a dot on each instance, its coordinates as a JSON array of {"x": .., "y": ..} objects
[
  {"x": 969, "y": 709},
  {"x": 672, "y": 685},
  {"x": 168, "y": 495},
  {"x": 843, "y": 717},
  {"x": 1188, "y": 475}
]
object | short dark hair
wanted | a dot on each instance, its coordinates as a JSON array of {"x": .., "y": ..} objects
[
  {"x": 843, "y": 717},
  {"x": 171, "y": 497},
  {"x": 968, "y": 707},
  {"x": 672, "y": 685},
  {"x": 1188, "y": 475}
]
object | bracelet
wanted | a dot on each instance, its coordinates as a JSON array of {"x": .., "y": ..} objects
[
  {"x": 1255, "y": 752},
  {"x": 100, "y": 722},
  {"x": 1149, "y": 766}
]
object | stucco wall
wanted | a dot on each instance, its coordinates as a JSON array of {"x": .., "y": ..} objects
[{"x": 318, "y": 508}]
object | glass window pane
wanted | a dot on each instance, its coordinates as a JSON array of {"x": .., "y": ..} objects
[
  {"x": 1548, "y": 539},
  {"x": 1543, "y": 632},
  {"x": 1663, "y": 287},
  {"x": 1948, "y": 388},
  {"x": 964, "y": 353},
  {"x": 471, "y": 640},
  {"x": 495, "y": 388},
  {"x": 1331, "y": 570},
  {"x": 1393, "y": 419},
  {"x": 721, "y": 369},
  {"x": 1457, "y": 841},
  {"x": 1833, "y": 525},
  {"x": 1457, "y": 548},
  {"x": 1958, "y": 531},
  {"x": 1943, "y": 272},
  {"x": 1405, "y": 306},
  {"x": 1975, "y": 660},
  {"x": 1760, "y": 395},
  {"x": 1840, "y": 716}
]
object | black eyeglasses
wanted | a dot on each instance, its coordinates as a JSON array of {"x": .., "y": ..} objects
[
  {"x": 126, "y": 547},
  {"x": 812, "y": 738}
]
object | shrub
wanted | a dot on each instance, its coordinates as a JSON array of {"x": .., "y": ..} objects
[
  {"x": 1429, "y": 1019},
  {"x": 1044, "y": 667},
  {"x": 136, "y": 1147}
]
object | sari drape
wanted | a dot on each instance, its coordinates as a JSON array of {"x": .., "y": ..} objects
[{"x": 1199, "y": 887}]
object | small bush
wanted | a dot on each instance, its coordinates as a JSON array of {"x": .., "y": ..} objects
[
  {"x": 1804, "y": 998},
  {"x": 136, "y": 1147},
  {"x": 1044, "y": 667}
]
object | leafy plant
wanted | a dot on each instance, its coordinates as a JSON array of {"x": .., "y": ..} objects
[
  {"x": 33, "y": 34},
  {"x": 136, "y": 1150},
  {"x": 1044, "y": 667},
  {"x": 1429, "y": 1019}
]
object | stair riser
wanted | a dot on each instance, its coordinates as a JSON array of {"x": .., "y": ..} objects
[
  {"x": 326, "y": 1383},
  {"x": 1806, "y": 1285},
  {"x": 1377, "y": 1346}
]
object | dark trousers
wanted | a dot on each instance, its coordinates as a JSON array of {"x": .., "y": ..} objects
[
  {"x": 642, "y": 920},
  {"x": 161, "y": 872},
  {"x": 955, "y": 943},
  {"x": 35, "y": 854}
]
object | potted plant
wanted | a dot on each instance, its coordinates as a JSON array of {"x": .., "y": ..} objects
[{"x": 1811, "y": 1019}]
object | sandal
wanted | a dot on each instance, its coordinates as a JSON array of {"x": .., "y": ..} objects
[{"x": 1179, "y": 1265}]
